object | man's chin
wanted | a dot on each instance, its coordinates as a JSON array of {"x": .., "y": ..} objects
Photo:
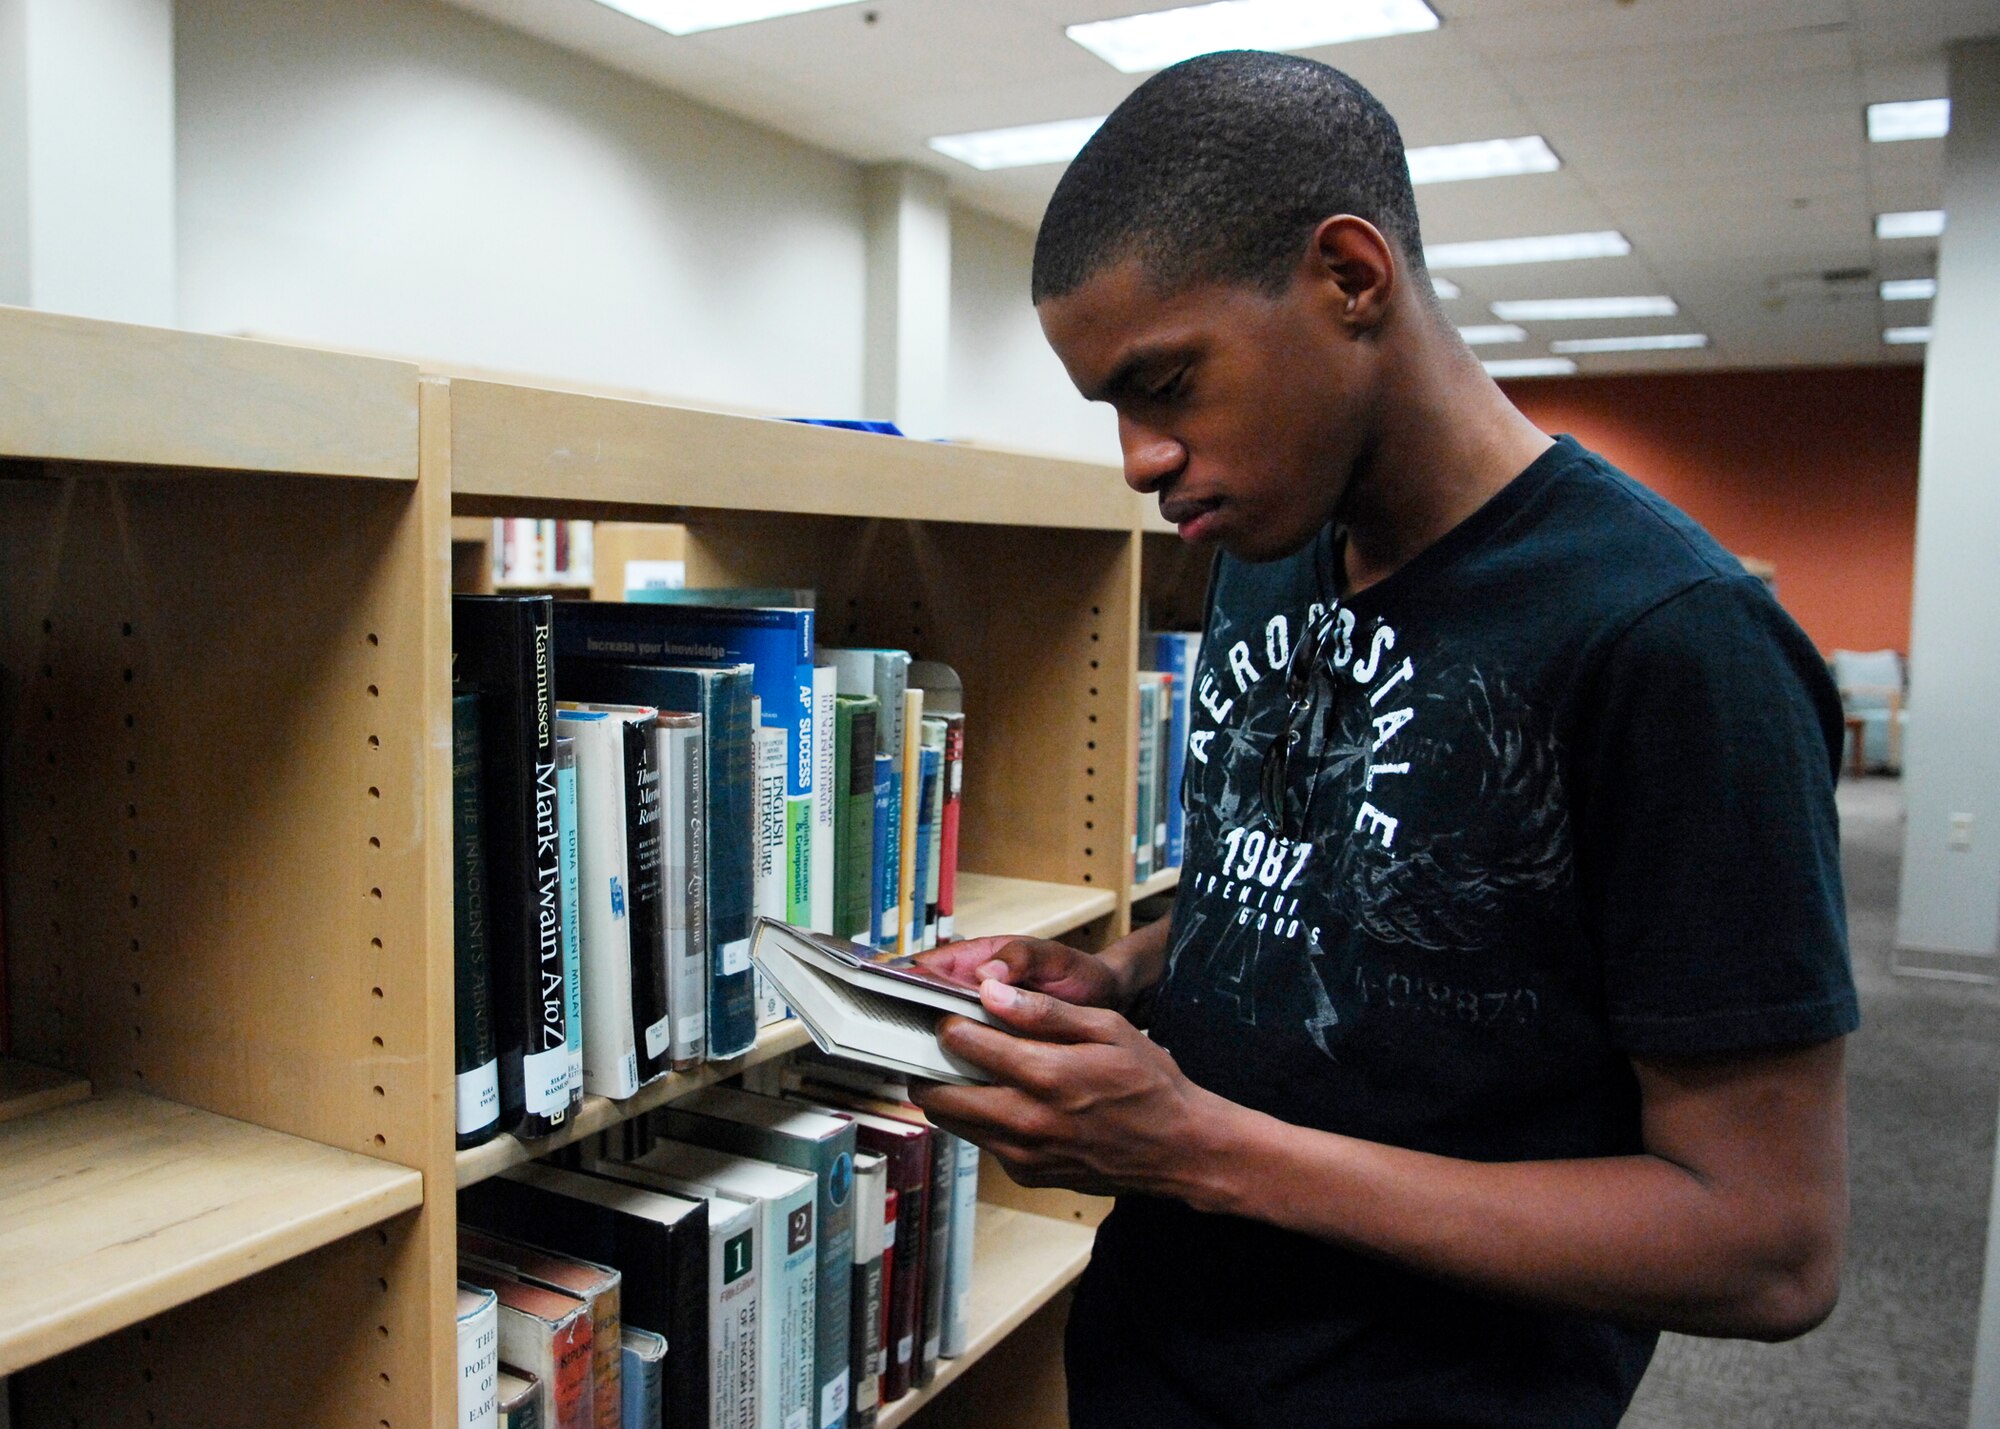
[{"x": 1258, "y": 546}]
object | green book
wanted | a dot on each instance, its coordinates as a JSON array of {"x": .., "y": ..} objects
[{"x": 855, "y": 718}]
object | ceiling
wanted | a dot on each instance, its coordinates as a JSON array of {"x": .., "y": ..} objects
[{"x": 1724, "y": 138}]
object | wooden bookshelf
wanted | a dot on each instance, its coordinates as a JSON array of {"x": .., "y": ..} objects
[
  {"x": 116, "y": 1208},
  {"x": 1165, "y": 881},
  {"x": 989, "y": 905},
  {"x": 1020, "y": 1262},
  {"x": 26, "y": 1088}
]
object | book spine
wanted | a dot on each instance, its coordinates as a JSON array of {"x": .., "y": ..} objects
[
  {"x": 475, "y": 1063},
  {"x": 641, "y": 1381},
  {"x": 727, "y": 725},
  {"x": 934, "y": 753},
  {"x": 1142, "y": 822},
  {"x": 652, "y": 1024},
  {"x": 909, "y": 934},
  {"x": 732, "y": 1321},
  {"x": 610, "y": 1054},
  {"x": 768, "y": 852},
  {"x": 1163, "y": 708},
  {"x": 545, "y": 1055},
  {"x": 1174, "y": 653},
  {"x": 964, "y": 1235},
  {"x": 791, "y": 1307},
  {"x": 572, "y": 914},
  {"x": 930, "y": 765},
  {"x": 853, "y": 827},
  {"x": 937, "y": 1252},
  {"x": 891, "y": 1218},
  {"x": 825, "y": 797},
  {"x": 607, "y": 1354},
  {"x": 864, "y": 1332},
  {"x": 523, "y": 1411},
  {"x": 479, "y": 1364},
  {"x": 954, "y": 804},
  {"x": 687, "y": 909},
  {"x": 887, "y": 861},
  {"x": 574, "y": 1400},
  {"x": 906, "y": 1284}
]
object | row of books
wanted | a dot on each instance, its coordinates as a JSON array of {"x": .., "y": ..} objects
[
  {"x": 633, "y": 783},
  {"x": 1166, "y": 693},
  {"x": 734, "y": 1261},
  {"x": 528, "y": 552}
]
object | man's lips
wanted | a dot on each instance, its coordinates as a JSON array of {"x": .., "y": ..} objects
[{"x": 1181, "y": 510}]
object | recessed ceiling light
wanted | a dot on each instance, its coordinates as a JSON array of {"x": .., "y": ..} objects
[
  {"x": 1529, "y": 310},
  {"x": 1658, "y": 342},
  {"x": 1138, "y": 43},
  {"x": 1482, "y": 159},
  {"x": 1530, "y": 367},
  {"x": 1900, "y": 336},
  {"x": 1909, "y": 119},
  {"x": 1896, "y": 290},
  {"x": 685, "y": 17},
  {"x": 1546, "y": 248},
  {"x": 1444, "y": 287},
  {"x": 1053, "y": 143},
  {"x": 1912, "y": 223},
  {"x": 1493, "y": 332}
]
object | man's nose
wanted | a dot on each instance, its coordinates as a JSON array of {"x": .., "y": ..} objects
[{"x": 1151, "y": 457}]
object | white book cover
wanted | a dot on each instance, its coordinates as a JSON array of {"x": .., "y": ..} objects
[
  {"x": 964, "y": 1228},
  {"x": 684, "y": 904},
  {"x": 788, "y": 1281},
  {"x": 826, "y": 681},
  {"x": 768, "y": 853},
  {"x": 871, "y": 1193},
  {"x": 610, "y": 1046},
  {"x": 733, "y": 1301},
  {"x": 478, "y": 1358}
]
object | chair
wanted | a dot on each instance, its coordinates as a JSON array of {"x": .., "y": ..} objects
[{"x": 1871, "y": 690}]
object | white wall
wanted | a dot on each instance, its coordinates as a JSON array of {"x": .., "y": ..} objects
[
  {"x": 403, "y": 177},
  {"x": 1007, "y": 389}
]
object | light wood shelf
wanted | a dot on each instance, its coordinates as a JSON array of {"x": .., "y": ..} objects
[
  {"x": 515, "y": 444},
  {"x": 1165, "y": 881},
  {"x": 74, "y": 389},
  {"x": 26, "y": 1088},
  {"x": 601, "y": 1113},
  {"x": 117, "y": 1208},
  {"x": 988, "y": 905},
  {"x": 1020, "y": 1262}
]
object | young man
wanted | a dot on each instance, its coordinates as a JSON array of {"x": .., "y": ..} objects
[{"x": 1496, "y": 1026}]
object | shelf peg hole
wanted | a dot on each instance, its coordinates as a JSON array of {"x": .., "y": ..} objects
[
  {"x": 376, "y": 1040},
  {"x": 374, "y": 639},
  {"x": 376, "y": 990},
  {"x": 374, "y": 842},
  {"x": 374, "y": 792},
  {"x": 374, "y": 741},
  {"x": 381, "y": 1140}
]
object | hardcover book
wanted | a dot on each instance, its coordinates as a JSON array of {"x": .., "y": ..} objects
[
  {"x": 954, "y": 804},
  {"x": 909, "y": 937},
  {"x": 519, "y": 1399},
  {"x": 770, "y": 854},
  {"x": 864, "y": 1331},
  {"x": 722, "y": 695},
  {"x": 931, "y": 851},
  {"x": 547, "y": 1333},
  {"x": 826, "y": 797},
  {"x": 883, "y": 922},
  {"x": 474, "y": 1063},
  {"x": 478, "y": 1357},
  {"x": 502, "y": 645},
  {"x": 572, "y": 915},
  {"x": 854, "y": 814},
  {"x": 683, "y": 837},
  {"x": 1175, "y": 652},
  {"x": 598, "y": 1286},
  {"x": 642, "y": 1379}
]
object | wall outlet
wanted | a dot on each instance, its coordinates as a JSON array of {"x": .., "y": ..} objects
[{"x": 1961, "y": 832}]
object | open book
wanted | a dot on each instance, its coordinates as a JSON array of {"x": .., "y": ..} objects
[{"x": 867, "y": 1005}]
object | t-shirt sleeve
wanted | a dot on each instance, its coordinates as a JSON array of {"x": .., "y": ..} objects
[{"x": 1707, "y": 842}]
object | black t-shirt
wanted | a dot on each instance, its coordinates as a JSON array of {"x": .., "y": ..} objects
[{"x": 1563, "y": 792}]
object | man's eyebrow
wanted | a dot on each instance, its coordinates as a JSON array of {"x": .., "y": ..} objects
[{"x": 1126, "y": 376}]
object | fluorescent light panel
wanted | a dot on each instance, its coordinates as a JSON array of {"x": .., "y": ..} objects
[
  {"x": 1530, "y": 367},
  {"x": 1911, "y": 223},
  {"x": 1904, "y": 336},
  {"x": 1482, "y": 159},
  {"x": 1444, "y": 287},
  {"x": 1657, "y": 342},
  {"x": 1477, "y": 334},
  {"x": 1138, "y": 43},
  {"x": 1898, "y": 290},
  {"x": 1545, "y": 248},
  {"x": 686, "y": 17},
  {"x": 1053, "y": 143},
  {"x": 1529, "y": 310},
  {"x": 1909, "y": 119}
]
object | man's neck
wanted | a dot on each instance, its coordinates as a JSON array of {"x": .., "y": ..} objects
[{"x": 1449, "y": 442}]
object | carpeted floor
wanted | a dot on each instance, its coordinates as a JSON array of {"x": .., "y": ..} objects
[{"x": 1923, "y": 1080}]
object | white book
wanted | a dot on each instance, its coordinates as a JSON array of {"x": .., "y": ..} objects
[
  {"x": 964, "y": 1226},
  {"x": 684, "y": 883},
  {"x": 825, "y": 682},
  {"x": 788, "y": 1280},
  {"x": 871, "y": 1188},
  {"x": 478, "y": 1359},
  {"x": 867, "y": 1005},
  {"x": 768, "y": 853},
  {"x": 610, "y": 1042},
  {"x": 733, "y": 1299}
]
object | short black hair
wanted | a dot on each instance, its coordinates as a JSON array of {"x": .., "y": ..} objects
[{"x": 1219, "y": 169}]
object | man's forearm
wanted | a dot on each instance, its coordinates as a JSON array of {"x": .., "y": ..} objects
[
  {"x": 1636, "y": 1238},
  {"x": 1139, "y": 959}
]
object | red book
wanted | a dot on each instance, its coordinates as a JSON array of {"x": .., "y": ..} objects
[
  {"x": 954, "y": 802},
  {"x": 547, "y": 1333}
]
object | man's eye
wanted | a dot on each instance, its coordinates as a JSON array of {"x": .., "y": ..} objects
[{"x": 1167, "y": 390}]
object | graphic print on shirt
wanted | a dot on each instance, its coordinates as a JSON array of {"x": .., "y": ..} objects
[{"x": 1432, "y": 803}]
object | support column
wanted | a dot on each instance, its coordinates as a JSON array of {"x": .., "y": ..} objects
[
  {"x": 87, "y": 157},
  {"x": 1951, "y": 885},
  {"x": 903, "y": 378}
]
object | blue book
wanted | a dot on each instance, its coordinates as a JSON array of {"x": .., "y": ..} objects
[
  {"x": 572, "y": 917},
  {"x": 1174, "y": 653},
  {"x": 931, "y": 762},
  {"x": 642, "y": 1378},
  {"x": 721, "y": 695},
  {"x": 885, "y": 843},
  {"x": 891, "y": 871}
]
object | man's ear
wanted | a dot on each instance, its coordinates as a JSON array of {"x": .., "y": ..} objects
[{"x": 1355, "y": 269}]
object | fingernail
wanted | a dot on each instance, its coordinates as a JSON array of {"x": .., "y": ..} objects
[
  {"x": 995, "y": 969},
  {"x": 1001, "y": 993}
]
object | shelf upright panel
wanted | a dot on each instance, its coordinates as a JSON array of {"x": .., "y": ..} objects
[{"x": 222, "y": 596}]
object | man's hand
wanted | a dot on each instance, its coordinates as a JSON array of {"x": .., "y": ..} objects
[
  {"x": 1053, "y": 968},
  {"x": 1084, "y": 1100}
]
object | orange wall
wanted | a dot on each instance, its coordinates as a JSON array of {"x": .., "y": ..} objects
[{"x": 1812, "y": 469}]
